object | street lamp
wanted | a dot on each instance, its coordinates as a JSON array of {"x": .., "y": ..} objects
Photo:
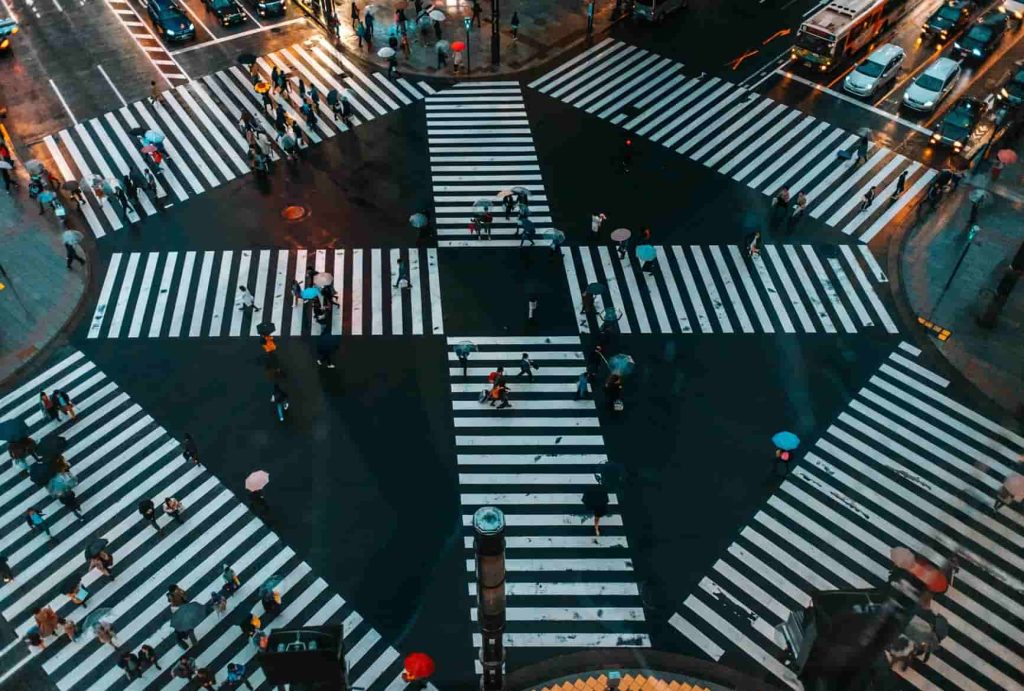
[
  {"x": 489, "y": 550},
  {"x": 467, "y": 22},
  {"x": 495, "y": 34}
]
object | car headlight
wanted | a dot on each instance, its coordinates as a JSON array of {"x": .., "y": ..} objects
[
  {"x": 935, "y": 138},
  {"x": 4, "y": 43},
  {"x": 976, "y": 52},
  {"x": 928, "y": 104},
  {"x": 958, "y": 145},
  {"x": 171, "y": 32},
  {"x": 1003, "y": 93}
]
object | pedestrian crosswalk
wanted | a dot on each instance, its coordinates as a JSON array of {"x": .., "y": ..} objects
[
  {"x": 205, "y": 144},
  {"x": 717, "y": 289},
  {"x": 191, "y": 294},
  {"x": 480, "y": 143},
  {"x": 739, "y": 133},
  {"x": 566, "y": 587},
  {"x": 904, "y": 465},
  {"x": 120, "y": 456}
]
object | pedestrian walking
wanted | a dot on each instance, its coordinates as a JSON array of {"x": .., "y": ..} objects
[
  {"x": 508, "y": 201},
  {"x": 176, "y": 596},
  {"x": 403, "y": 274},
  {"x": 862, "y": 150},
  {"x": 1010, "y": 492},
  {"x": 47, "y": 621},
  {"x": 587, "y": 300},
  {"x": 72, "y": 255},
  {"x": 437, "y": 30},
  {"x": 393, "y": 67},
  {"x": 189, "y": 449},
  {"x": 218, "y": 602},
  {"x": 368, "y": 18},
  {"x": 148, "y": 658},
  {"x": 531, "y": 309},
  {"x": 782, "y": 459},
  {"x": 205, "y": 678},
  {"x": 298, "y": 133},
  {"x": 354, "y": 13},
  {"x": 148, "y": 513},
  {"x": 613, "y": 392},
  {"x": 69, "y": 500},
  {"x": 49, "y": 406},
  {"x": 314, "y": 94},
  {"x": 105, "y": 634},
  {"x": 869, "y": 197},
  {"x": 526, "y": 367},
  {"x": 780, "y": 204},
  {"x": 34, "y": 519},
  {"x": 33, "y": 638},
  {"x": 280, "y": 400},
  {"x": 246, "y": 300},
  {"x": 154, "y": 94},
  {"x": 151, "y": 188},
  {"x": 595, "y": 223},
  {"x": 271, "y": 602},
  {"x": 406, "y": 48},
  {"x": 515, "y": 26},
  {"x": 173, "y": 508},
  {"x": 622, "y": 249},
  {"x": 752, "y": 244},
  {"x": 595, "y": 499},
  {"x": 79, "y": 595},
  {"x": 236, "y": 677},
  {"x": 799, "y": 209},
  {"x": 185, "y": 669},
  {"x": 6, "y": 572},
  {"x": 230, "y": 578},
  {"x": 582, "y": 385},
  {"x": 442, "y": 57},
  {"x": 64, "y": 402},
  {"x": 486, "y": 221},
  {"x": 456, "y": 62},
  {"x": 104, "y": 563},
  {"x": 70, "y": 629},
  {"x": 499, "y": 394},
  {"x": 594, "y": 360},
  {"x": 129, "y": 662},
  {"x": 901, "y": 185}
]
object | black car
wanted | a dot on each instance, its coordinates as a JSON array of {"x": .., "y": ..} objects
[
  {"x": 983, "y": 36},
  {"x": 228, "y": 12},
  {"x": 948, "y": 19},
  {"x": 8, "y": 27},
  {"x": 960, "y": 123},
  {"x": 1011, "y": 91},
  {"x": 265, "y": 8},
  {"x": 170, "y": 21}
]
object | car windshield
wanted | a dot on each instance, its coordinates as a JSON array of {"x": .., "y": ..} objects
[
  {"x": 948, "y": 13},
  {"x": 813, "y": 43},
  {"x": 1018, "y": 79},
  {"x": 870, "y": 68},
  {"x": 648, "y": 3},
  {"x": 959, "y": 118},
  {"x": 170, "y": 14},
  {"x": 979, "y": 33},
  {"x": 929, "y": 83},
  {"x": 221, "y": 4}
]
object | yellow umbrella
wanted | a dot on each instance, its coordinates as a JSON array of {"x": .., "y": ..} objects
[{"x": 262, "y": 87}]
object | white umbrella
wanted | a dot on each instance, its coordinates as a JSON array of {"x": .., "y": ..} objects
[
  {"x": 386, "y": 52},
  {"x": 437, "y": 15},
  {"x": 71, "y": 237},
  {"x": 323, "y": 279}
]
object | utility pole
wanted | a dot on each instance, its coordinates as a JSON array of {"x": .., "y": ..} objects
[
  {"x": 495, "y": 33},
  {"x": 489, "y": 548}
]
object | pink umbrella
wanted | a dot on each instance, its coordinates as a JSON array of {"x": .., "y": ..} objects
[
  {"x": 621, "y": 234},
  {"x": 902, "y": 557},
  {"x": 148, "y": 149},
  {"x": 257, "y": 481},
  {"x": 1007, "y": 156},
  {"x": 1015, "y": 486}
]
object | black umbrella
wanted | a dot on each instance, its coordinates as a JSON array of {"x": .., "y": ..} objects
[
  {"x": 14, "y": 429},
  {"x": 71, "y": 583},
  {"x": 265, "y": 328},
  {"x": 246, "y": 58},
  {"x": 137, "y": 131},
  {"x": 41, "y": 472},
  {"x": 595, "y": 499},
  {"x": 332, "y": 97},
  {"x": 71, "y": 185},
  {"x": 52, "y": 446},
  {"x": 188, "y": 616},
  {"x": 95, "y": 547},
  {"x": 138, "y": 178}
]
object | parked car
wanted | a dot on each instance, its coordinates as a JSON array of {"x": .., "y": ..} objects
[
  {"x": 228, "y": 12},
  {"x": 960, "y": 124},
  {"x": 878, "y": 68},
  {"x": 265, "y": 8},
  {"x": 983, "y": 36},
  {"x": 170, "y": 21},
  {"x": 1011, "y": 91},
  {"x": 8, "y": 27},
  {"x": 932, "y": 85},
  {"x": 1014, "y": 8},
  {"x": 948, "y": 19}
]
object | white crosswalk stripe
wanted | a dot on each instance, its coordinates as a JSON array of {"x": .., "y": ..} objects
[
  {"x": 193, "y": 293},
  {"x": 566, "y": 587},
  {"x": 759, "y": 294},
  {"x": 480, "y": 143},
  {"x": 200, "y": 119},
  {"x": 120, "y": 456},
  {"x": 737, "y": 132},
  {"x": 903, "y": 465}
]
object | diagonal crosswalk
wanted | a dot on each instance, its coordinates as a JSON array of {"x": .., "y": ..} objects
[
  {"x": 191, "y": 294},
  {"x": 737, "y": 132},
  {"x": 716, "y": 289},
  {"x": 480, "y": 143},
  {"x": 200, "y": 119},
  {"x": 566, "y": 587},
  {"x": 122, "y": 455},
  {"x": 904, "y": 465}
]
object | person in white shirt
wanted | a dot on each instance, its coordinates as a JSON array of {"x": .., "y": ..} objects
[
  {"x": 595, "y": 223},
  {"x": 245, "y": 299}
]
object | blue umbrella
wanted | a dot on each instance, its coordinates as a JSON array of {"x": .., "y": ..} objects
[
  {"x": 787, "y": 441},
  {"x": 13, "y": 429},
  {"x": 597, "y": 288},
  {"x": 59, "y": 484},
  {"x": 557, "y": 237},
  {"x": 47, "y": 196},
  {"x": 418, "y": 220},
  {"x": 621, "y": 364},
  {"x": 465, "y": 348},
  {"x": 309, "y": 293},
  {"x": 153, "y": 137},
  {"x": 646, "y": 253}
]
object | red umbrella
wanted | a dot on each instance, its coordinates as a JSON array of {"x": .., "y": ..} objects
[
  {"x": 418, "y": 666},
  {"x": 458, "y": 46},
  {"x": 1007, "y": 156}
]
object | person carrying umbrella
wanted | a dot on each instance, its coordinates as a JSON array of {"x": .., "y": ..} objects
[
  {"x": 35, "y": 520},
  {"x": 70, "y": 500},
  {"x": 230, "y": 578},
  {"x": 613, "y": 392},
  {"x": 129, "y": 662},
  {"x": 148, "y": 512},
  {"x": 785, "y": 443},
  {"x": 148, "y": 658},
  {"x": 105, "y": 634}
]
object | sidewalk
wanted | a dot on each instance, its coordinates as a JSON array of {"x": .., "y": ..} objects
[
  {"x": 992, "y": 359},
  {"x": 40, "y": 296},
  {"x": 547, "y": 28}
]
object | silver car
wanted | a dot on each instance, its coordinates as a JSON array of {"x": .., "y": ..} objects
[
  {"x": 932, "y": 85},
  {"x": 878, "y": 68}
]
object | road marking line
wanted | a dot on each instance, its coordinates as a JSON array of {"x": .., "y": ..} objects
[
  {"x": 63, "y": 102},
  {"x": 222, "y": 39},
  {"x": 114, "y": 88}
]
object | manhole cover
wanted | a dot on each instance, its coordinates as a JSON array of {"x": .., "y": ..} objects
[{"x": 294, "y": 213}]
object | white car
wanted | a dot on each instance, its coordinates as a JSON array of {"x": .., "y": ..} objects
[
  {"x": 1014, "y": 8},
  {"x": 878, "y": 68},
  {"x": 932, "y": 85}
]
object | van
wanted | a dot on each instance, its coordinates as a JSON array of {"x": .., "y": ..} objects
[
  {"x": 878, "y": 68},
  {"x": 932, "y": 85},
  {"x": 655, "y": 10}
]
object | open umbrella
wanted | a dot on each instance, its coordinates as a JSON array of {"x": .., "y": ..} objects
[
  {"x": 95, "y": 547},
  {"x": 459, "y": 46},
  {"x": 864, "y": 131},
  {"x": 646, "y": 253},
  {"x": 93, "y": 618},
  {"x": 153, "y": 137},
  {"x": 59, "y": 484},
  {"x": 13, "y": 429},
  {"x": 137, "y": 131},
  {"x": 323, "y": 279},
  {"x": 70, "y": 185},
  {"x": 246, "y": 58},
  {"x": 621, "y": 234},
  {"x": 418, "y": 666},
  {"x": 1015, "y": 486},
  {"x": 261, "y": 87},
  {"x": 557, "y": 236},
  {"x": 442, "y": 45},
  {"x": 287, "y": 142},
  {"x": 437, "y": 15},
  {"x": 71, "y": 584},
  {"x": 504, "y": 193},
  {"x": 418, "y": 221},
  {"x": 978, "y": 196},
  {"x": 482, "y": 205},
  {"x": 464, "y": 348},
  {"x": 309, "y": 293},
  {"x": 386, "y": 52},
  {"x": 268, "y": 585},
  {"x": 52, "y": 446},
  {"x": 148, "y": 149},
  {"x": 71, "y": 237},
  {"x": 521, "y": 190},
  {"x": 902, "y": 557},
  {"x": 188, "y": 616},
  {"x": 1007, "y": 156},
  {"x": 40, "y": 472},
  {"x": 332, "y": 97},
  {"x": 33, "y": 166},
  {"x": 597, "y": 289},
  {"x": 595, "y": 499},
  {"x": 6, "y": 165},
  {"x": 257, "y": 480},
  {"x": 787, "y": 441},
  {"x": 47, "y": 196},
  {"x": 265, "y": 328},
  {"x": 621, "y": 364}
]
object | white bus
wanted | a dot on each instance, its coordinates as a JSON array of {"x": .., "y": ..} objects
[{"x": 842, "y": 28}]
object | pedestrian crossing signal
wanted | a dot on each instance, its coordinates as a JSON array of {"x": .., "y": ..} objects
[{"x": 940, "y": 333}]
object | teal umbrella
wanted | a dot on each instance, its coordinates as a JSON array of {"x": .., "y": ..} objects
[
  {"x": 93, "y": 619},
  {"x": 646, "y": 253},
  {"x": 59, "y": 484},
  {"x": 787, "y": 441},
  {"x": 418, "y": 220},
  {"x": 621, "y": 364},
  {"x": 464, "y": 348}
]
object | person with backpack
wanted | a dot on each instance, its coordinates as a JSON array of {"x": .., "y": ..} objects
[
  {"x": 236, "y": 676},
  {"x": 64, "y": 402}
]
